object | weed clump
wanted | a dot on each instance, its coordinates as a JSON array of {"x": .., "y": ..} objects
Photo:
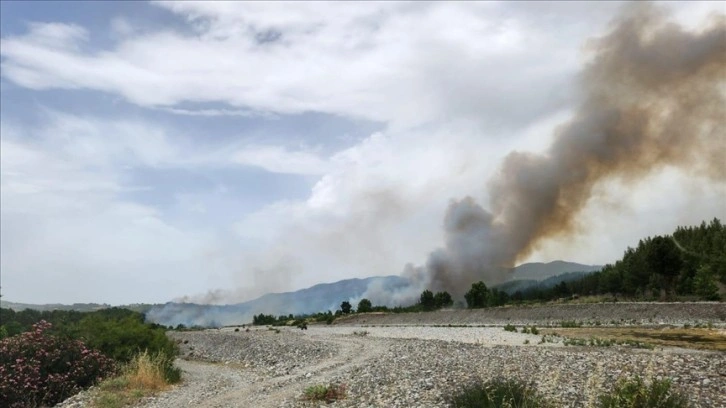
[
  {"x": 327, "y": 393},
  {"x": 637, "y": 393},
  {"x": 144, "y": 375},
  {"x": 499, "y": 392}
]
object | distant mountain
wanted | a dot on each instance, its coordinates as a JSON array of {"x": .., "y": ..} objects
[
  {"x": 321, "y": 297},
  {"x": 526, "y": 284},
  {"x": 539, "y": 271},
  {"x": 318, "y": 298},
  {"x": 545, "y": 275},
  {"x": 81, "y": 307}
]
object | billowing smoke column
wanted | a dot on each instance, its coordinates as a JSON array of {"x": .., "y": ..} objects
[{"x": 653, "y": 96}]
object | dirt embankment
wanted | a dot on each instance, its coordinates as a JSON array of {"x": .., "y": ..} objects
[{"x": 605, "y": 314}]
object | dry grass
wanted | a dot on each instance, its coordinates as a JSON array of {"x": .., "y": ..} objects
[
  {"x": 146, "y": 372},
  {"x": 701, "y": 339},
  {"x": 142, "y": 377}
]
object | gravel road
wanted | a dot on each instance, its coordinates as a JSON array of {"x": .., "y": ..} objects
[{"x": 414, "y": 367}]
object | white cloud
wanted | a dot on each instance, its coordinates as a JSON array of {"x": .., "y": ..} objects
[
  {"x": 277, "y": 159},
  {"x": 69, "y": 228},
  {"x": 401, "y": 63},
  {"x": 211, "y": 112},
  {"x": 457, "y": 86},
  {"x": 57, "y": 35}
]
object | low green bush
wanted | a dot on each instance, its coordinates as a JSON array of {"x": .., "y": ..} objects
[
  {"x": 497, "y": 393},
  {"x": 327, "y": 393},
  {"x": 637, "y": 393},
  {"x": 122, "y": 339}
]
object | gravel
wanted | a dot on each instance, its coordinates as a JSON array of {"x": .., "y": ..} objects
[
  {"x": 425, "y": 373},
  {"x": 266, "y": 350},
  {"x": 607, "y": 314},
  {"x": 487, "y": 336},
  {"x": 421, "y": 366},
  {"x": 389, "y": 367}
]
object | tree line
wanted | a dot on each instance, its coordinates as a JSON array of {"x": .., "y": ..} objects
[{"x": 117, "y": 333}]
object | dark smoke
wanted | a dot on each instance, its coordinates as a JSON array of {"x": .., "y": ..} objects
[{"x": 653, "y": 96}]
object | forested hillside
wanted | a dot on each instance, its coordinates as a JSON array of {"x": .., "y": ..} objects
[{"x": 690, "y": 262}]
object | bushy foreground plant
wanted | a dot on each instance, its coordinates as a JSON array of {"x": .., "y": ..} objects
[
  {"x": 145, "y": 375},
  {"x": 38, "y": 369},
  {"x": 327, "y": 393},
  {"x": 497, "y": 393},
  {"x": 637, "y": 393},
  {"x": 124, "y": 337}
]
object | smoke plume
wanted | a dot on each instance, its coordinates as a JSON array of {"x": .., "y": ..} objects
[{"x": 653, "y": 95}]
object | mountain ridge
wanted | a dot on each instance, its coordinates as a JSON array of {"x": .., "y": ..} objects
[{"x": 319, "y": 297}]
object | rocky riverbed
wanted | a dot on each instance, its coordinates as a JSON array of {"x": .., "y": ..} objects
[
  {"x": 416, "y": 367},
  {"x": 401, "y": 361},
  {"x": 605, "y": 314}
]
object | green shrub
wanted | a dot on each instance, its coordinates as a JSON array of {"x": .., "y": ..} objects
[
  {"x": 121, "y": 339},
  {"x": 637, "y": 393},
  {"x": 497, "y": 393},
  {"x": 39, "y": 369},
  {"x": 327, "y": 393},
  {"x": 567, "y": 341},
  {"x": 510, "y": 328}
]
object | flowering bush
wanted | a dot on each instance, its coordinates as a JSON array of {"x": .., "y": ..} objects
[{"x": 37, "y": 369}]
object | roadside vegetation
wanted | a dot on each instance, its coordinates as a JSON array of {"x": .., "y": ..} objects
[
  {"x": 144, "y": 375},
  {"x": 499, "y": 392},
  {"x": 634, "y": 392},
  {"x": 46, "y": 357},
  {"x": 638, "y": 393},
  {"x": 40, "y": 369}
]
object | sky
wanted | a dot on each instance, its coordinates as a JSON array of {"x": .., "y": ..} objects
[{"x": 217, "y": 151}]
